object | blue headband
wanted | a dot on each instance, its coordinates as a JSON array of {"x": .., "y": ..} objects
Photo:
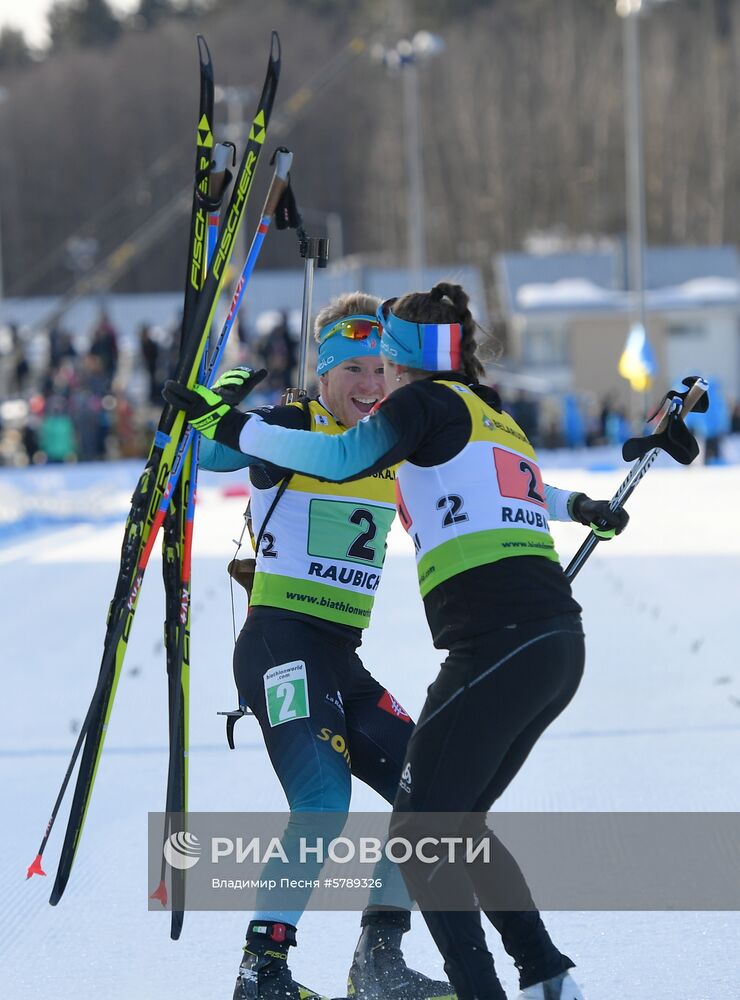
[
  {"x": 348, "y": 337},
  {"x": 431, "y": 347}
]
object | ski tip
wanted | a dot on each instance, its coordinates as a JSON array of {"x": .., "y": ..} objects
[
  {"x": 160, "y": 893},
  {"x": 275, "y": 47},
  {"x": 35, "y": 868},
  {"x": 204, "y": 54}
]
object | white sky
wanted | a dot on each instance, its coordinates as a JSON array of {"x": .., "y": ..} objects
[{"x": 30, "y": 16}]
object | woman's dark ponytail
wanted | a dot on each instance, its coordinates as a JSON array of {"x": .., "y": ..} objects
[{"x": 445, "y": 303}]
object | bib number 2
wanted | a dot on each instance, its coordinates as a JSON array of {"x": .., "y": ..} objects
[
  {"x": 359, "y": 549},
  {"x": 347, "y": 531},
  {"x": 286, "y": 693},
  {"x": 518, "y": 478},
  {"x": 453, "y": 504}
]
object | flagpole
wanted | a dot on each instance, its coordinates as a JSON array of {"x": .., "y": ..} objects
[{"x": 629, "y": 10}]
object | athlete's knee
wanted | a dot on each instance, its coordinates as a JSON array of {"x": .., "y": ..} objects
[
  {"x": 323, "y": 793},
  {"x": 324, "y": 824}
]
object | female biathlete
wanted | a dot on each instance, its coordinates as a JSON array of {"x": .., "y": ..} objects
[
  {"x": 323, "y": 716},
  {"x": 471, "y": 495}
]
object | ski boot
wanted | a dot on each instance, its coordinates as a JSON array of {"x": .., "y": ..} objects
[
  {"x": 560, "y": 987},
  {"x": 379, "y": 970},
  {"x": 264, "y": 972}
]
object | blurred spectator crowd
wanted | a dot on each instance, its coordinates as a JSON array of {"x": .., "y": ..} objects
[
  {"x": 67, "y": 407},
  {"x": 94, "y": 395},
  {"x": 85, "y": 396}
]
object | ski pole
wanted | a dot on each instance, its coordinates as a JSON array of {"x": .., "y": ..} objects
[
  {"x": 283, "y": 160},
  {"x": 672, "y": 409},
  {"x": 315, "y": 252}
]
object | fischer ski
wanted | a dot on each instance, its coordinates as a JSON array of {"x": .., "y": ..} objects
[
  {"x": 212, "y": 177},
  {"x": 143, "y": 522},
  {"x": 280, "y": 182},
  {"x": 177, "y": 536}
]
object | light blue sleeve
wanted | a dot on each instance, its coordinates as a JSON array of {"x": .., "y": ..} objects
[
  {"x": 219, "y": 458},
  {"x": 335, "y": 457},
  {"x": 557, "y": 503}
]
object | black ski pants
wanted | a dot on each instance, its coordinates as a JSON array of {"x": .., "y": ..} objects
[{"x": 493, "y": 698}]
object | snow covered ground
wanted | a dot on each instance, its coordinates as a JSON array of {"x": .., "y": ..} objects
[{"x": 655, "y": 726}]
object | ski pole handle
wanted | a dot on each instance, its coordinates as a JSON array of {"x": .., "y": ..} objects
[
  {"x": 219, "y": 178},
  {"x": 670, "y": 406},
  {"x": 283, "y": 159},
  {"x": 695, "y": 395},
  {"x": 219, "y": 174},
  {"x": 639, "y": 469}
]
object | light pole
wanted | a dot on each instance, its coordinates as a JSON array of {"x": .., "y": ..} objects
[
  {"x": 405, "y": 58},
  {"x": 3, "y": 98},
  {"x": 631, "y": 11}
]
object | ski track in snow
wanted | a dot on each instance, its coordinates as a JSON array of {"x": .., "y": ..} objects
[{"x": 654, "y": 726}]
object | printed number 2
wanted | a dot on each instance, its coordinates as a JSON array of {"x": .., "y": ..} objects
[
  {"x": 454, "y": 504},
  {"x": 287, "y": 693},
  {"x": 268, "y": 545},
  {"x": 532, "y": 492},
  {"x": 359, "y": 549}
]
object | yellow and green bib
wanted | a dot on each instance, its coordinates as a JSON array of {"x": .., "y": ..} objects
[
  {"x": 323, "y": 549},
  {"x": 485, "y": 504}
]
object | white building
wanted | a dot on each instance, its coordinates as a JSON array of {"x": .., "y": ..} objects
[{"x": 568, "y": 316}]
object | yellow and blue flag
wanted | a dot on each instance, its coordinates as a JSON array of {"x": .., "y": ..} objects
[{"x": 637, "y": 363}]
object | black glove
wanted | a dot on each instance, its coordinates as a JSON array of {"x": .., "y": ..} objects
[
  {"x": 598, "y": 515},
  {"x": 236, "y": 384},
  {"x": 207, "y": 412}
]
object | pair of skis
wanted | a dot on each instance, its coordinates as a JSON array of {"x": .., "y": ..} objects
[
  {"x": 165, "y": 492},
  {"x": 212, "y": 178}
]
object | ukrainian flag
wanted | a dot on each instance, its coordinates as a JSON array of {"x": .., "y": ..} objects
[{"x": 637, "y": 363}]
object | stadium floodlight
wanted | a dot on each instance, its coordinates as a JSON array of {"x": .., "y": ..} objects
[
  {"x": 406, "y": 56},
  {"x": 626, "y": 8}
]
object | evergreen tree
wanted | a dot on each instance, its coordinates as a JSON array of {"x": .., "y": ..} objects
[
  {"x": 82, "y": 23},
  {"x": 151, "y": 12},
  {"x": 14, "y": 52}
]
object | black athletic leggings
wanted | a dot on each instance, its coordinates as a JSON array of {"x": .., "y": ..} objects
[{"x": 493, "y": 698}]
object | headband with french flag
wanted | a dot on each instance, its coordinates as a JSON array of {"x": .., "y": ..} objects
[{"x": 432, "y": 347}]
